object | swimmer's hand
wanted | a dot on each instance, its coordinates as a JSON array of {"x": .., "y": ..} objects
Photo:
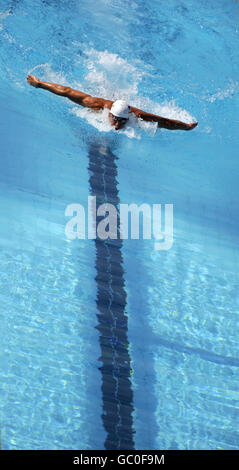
[
  {"x": 33, "y": 81},
  {"x": 191, "y": 126}
]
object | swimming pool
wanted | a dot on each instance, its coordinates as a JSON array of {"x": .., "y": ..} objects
[{"x": 115, "y": 344}]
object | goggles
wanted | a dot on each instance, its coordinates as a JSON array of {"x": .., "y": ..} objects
[{"x": 119, "y": 119}]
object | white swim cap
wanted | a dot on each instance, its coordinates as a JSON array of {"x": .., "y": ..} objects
[{"x": 120, "y": 109}]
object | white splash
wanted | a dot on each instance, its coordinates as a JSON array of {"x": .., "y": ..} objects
[
  {"x": 47, "y": 74},
  {"x": 171, "y": 110},
  {"x": 100, "y": 120},
  {"x": 112, "y": 76},
  {"x": 232, "y": 88}
]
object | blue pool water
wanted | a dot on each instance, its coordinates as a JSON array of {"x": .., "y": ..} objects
[{"x": 117, "y": 345}]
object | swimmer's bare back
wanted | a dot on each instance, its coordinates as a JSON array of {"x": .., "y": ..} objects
[{"x": 95, "y": 103}]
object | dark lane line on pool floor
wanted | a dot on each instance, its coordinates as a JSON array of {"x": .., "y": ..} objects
[{"x": 111, "y": 304}]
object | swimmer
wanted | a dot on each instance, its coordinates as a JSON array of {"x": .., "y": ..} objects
[{"x": 119, "y": 110}]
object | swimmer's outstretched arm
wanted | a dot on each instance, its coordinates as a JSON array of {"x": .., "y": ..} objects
[
  {"x": 165, "y": 123},
  {"x": 77, "y": 96},
  {"x": 95, "y": 103}
]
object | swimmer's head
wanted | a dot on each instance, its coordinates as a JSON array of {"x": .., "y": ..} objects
[
  {"x": 119, "y": 114},
  {"x": 120, "y": 109}
]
